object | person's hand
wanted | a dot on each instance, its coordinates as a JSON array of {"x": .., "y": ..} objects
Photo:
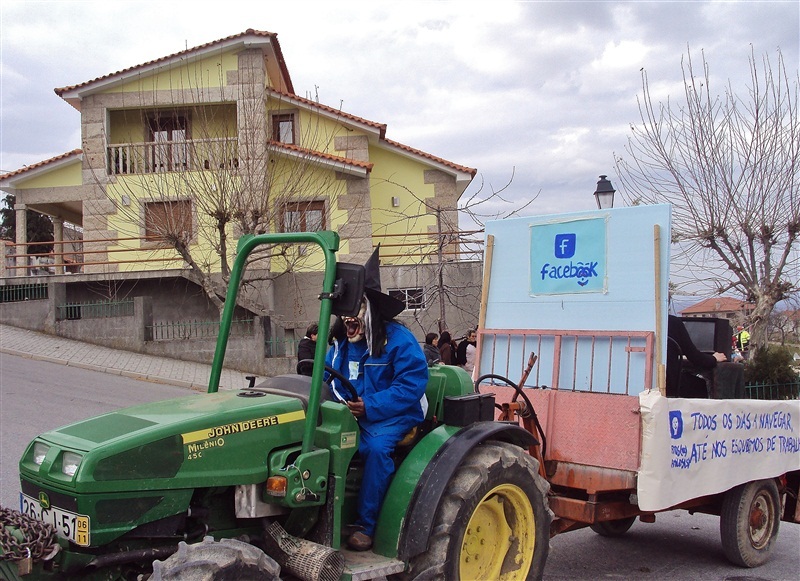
[
  {"x": 357, "y": 407},
  {"x": 720, "y": 357}
]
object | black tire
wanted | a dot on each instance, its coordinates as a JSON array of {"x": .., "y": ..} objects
[
  {"x": 497, "y": 488},
  {"x": 749, "y": 521},
  {"x": 226, "y": 560},
  {"x": 613, "y": 528}
]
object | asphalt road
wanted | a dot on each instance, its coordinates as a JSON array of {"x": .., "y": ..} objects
[{"x": 38, "y": 396}]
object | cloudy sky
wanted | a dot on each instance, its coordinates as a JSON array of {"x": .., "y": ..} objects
[{"x": 541, "y": 91}]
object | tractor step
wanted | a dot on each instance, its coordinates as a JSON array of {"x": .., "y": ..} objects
[{"x": 368, "y": 565}]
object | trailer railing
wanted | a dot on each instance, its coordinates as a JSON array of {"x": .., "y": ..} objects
[{"x": 571, "y": 360}]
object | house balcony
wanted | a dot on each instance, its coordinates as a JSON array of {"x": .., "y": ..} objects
[{"x": 172, "y": 156}]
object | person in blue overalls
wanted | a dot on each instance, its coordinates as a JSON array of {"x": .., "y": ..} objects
[{"x": 386, "y": 365}]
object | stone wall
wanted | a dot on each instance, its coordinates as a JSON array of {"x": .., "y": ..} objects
[{"x": 133, "y": 333}]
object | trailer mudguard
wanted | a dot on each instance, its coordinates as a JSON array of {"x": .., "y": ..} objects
[{"x": 410, "y": 504}]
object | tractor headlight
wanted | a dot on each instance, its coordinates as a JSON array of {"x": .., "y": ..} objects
[
  {"x": 70, "y": 462},
  {"x": 39, "y": 452}
]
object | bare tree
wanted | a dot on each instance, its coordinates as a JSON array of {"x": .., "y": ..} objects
[
  {"x": 448, "y": 245},
  {"x": 729, "y": 165}
]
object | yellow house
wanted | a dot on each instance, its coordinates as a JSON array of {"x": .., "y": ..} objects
[{"x": 182, "y": 155}]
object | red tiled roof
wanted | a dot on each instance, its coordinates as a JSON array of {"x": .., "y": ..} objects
[
  {"x": 469, "y": 170},
  {"x": 335, "y": 158},
  {"x": 271, "y": 35},
  {"x": 379, "y": 126},
  {"x": 37, "y": 165},
  {"x": 718, "y": 305}
]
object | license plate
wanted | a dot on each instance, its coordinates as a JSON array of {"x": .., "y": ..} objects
[{"x": 71, "y": 526}]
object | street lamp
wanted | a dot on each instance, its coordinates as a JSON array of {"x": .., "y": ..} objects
[{"x": 604, "y": 194}]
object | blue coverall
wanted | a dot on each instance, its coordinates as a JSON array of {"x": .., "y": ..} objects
[{"x": 392, "y": 387}]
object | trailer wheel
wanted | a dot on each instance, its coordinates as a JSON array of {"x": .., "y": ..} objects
[
  {"x": 749, "y": 522},
  {"x": 226, "y": 560},
  {"x": 492, "y": 522},
  {"x": 613, "y": 528}
]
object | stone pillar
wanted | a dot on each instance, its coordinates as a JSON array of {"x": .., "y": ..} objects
[
  {"x": 56, "y": 297},
  {"x": 58, "y": 246},
  {"x": 22, "y": 240},
  {"x": 143, "y": 316},
  {"x": 5, "y": 252},
  {"x": 356, "y": 201}
]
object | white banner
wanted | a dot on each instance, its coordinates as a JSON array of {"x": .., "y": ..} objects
[{"x": 695, "y": 447}]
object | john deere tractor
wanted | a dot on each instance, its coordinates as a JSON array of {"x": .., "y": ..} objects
[{"x": 261, "y": 483}]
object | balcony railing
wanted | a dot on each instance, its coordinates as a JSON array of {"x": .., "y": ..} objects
[
  {"x": 166, "y": 156},
  {"x": 77, "y": 258}
]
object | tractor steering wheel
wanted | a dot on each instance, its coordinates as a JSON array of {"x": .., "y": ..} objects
[
  {"x": 345, "y": 383},
  {"x": 351, "y": 391}
]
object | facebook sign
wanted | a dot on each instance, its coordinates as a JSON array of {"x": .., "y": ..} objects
[
  {"x": 568, "y": 257},
  {"x": 565, "y": 245}
]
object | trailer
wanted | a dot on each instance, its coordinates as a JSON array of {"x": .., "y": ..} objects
[{"x": 576, "y": 305}]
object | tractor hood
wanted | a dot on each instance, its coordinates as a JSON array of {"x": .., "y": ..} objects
[{"x": 224, "y": 438}]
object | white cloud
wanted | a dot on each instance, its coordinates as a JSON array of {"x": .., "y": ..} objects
[{"x": 544, "y": 89}]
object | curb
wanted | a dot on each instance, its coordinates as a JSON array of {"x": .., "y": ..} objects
[{"x": 114, "y": 371}]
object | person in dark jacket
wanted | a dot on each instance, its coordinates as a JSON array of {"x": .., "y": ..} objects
[
  {"x": 447, "y": 350},
  {"x": 680, "y": 345},
  {"x": 385, "y": 364},
  {"x": 471, "y": 339},
  {"x": 306, "y": 348},
  {"x": 430, "y": 348}
]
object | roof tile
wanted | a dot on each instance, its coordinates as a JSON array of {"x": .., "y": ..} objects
[
  {"x": 271, "y": 35},
  {"x": 39, "y": 164}
]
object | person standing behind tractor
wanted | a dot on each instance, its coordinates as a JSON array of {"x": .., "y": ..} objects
[
  {"x": 465, "y": 354},
  {"x": 430, "y": 348},
  {"x": 385, "y": 364},
  {"x": 447, "y": 350},
  {"x": 306, "y": 348}
]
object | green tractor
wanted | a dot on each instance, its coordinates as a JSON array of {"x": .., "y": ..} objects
[{"x": 261, "y": 483}]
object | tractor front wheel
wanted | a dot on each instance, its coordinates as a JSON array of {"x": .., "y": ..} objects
[
  {"x": 226, "y": 560},
  {"x": 492, "y": 522},
  {"x": 749, "y": 522}
]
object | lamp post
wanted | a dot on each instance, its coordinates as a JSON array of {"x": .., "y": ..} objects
[{"x": 604, "y": 194}]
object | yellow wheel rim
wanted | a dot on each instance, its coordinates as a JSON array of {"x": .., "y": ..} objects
[{"x": 500, "y": 537}]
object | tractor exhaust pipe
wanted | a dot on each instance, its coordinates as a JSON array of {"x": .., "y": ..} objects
[{"x": 304, "y": 559}]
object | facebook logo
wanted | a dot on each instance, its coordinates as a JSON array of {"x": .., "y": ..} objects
[{"x": 565, "y": 245}]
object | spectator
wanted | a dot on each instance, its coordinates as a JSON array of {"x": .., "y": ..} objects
[
  {"x": 306, "y": 348},
  {"x": 447, "y": 351},
  {"x": 465, "y": 354},
  {"x": 430, "y": 348},
  {"x": 742, "y": 341}
]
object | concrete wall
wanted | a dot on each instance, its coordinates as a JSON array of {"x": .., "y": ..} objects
[
  {"x": 131, "y": 333},
  {"x": 26, "y": 314}
]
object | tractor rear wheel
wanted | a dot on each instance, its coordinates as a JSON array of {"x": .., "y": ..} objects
[
  {"x": 226, "y": 560},
  {"x": 613, "y": 528},
  {"x": 748, "y": 522},
  {"x": 492, "y": 522}
]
